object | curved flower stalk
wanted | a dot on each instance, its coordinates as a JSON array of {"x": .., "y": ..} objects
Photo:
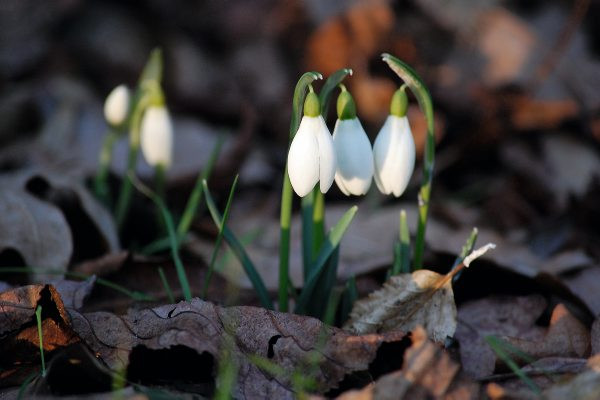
[
  {"x": 354, "y": 171},
  {"x": 116, "y": 113},
  {"x": 394, "y": 149},
  {"x": 311, "y": 158}
]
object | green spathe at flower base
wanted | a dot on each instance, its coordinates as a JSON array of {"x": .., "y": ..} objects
[
  {"x": 346, "y": 108},
  {"x": 312, "y": 108},
  {"x": 399, "y": 103}
]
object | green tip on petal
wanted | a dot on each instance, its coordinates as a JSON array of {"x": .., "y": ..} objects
[
  {"x": 346, "y": 108},
  {"x": 312, "y": 108},
  {"x": 399, "y": 103}
]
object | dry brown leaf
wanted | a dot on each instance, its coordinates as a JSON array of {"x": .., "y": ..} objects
[
  {"x": 566, "y": 337},
  {"x": 36, "y": 230},
  {"x": 595, "y": 337},
  {"x": 44, "y": 215},
  {"x": 19, "y": 343},
  {"x": 74, "y": 293},
  {"x": 585, "y": 284},
  {"x": 406, "y": 301},
  {"x": 104, "y": 265},
  {"x": 585, "y": 386},
  {"x": 509, "y": 316},
  {"x": 284, "y": 339},
  {"x": 427, "y": 372}
]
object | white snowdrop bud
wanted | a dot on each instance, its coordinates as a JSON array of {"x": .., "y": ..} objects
[
  {"x": 157, "y": 136},
  {"x": 352, "y": 149},
  {"x": 116, "y": 106},
  {"x": 311, "y": 158},
  {"x": 394, "y": 149}
]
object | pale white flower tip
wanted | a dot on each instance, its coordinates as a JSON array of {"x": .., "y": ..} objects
[
  {"x": 157, "y": 136},
  {"x": 394, "y": 156},
  {"x": 116, "y": 106},
  {"x": 355, "y": 164},
  {"x": 303, "y": 157}
]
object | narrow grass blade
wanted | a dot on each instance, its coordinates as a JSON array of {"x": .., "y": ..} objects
[
  {"x": 402, "y": 248},
  {"x": 416, "y": 85},
  {"x": 215, "y": 252},
  {"x": 332, "y": 306},
  {"x": 23, "y": 387},
  {"x": 166, "y": 285},
  {"x": 330, "y": 84},
  {"x": 349, "y": 296},
  {"x": 497, "y": 346},
  {"x": 183, "y": 281},
  {"x": 196, "y": 197},
  {"x": 135, "y": 295},
  {"x": 467, "y": 248},
  {"x": 324, "y": 286},
  {"x": 285, "y": 218},
  {"x": 227, "y": 373},
  {"x": 239, "y": 251},
  {"x": 38, "y": 318},
  {"x": 331, "y": 242}
]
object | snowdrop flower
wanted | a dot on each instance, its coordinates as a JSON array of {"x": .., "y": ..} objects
[
  {"x": 116, "y": 106},
  {"x": 157, "y": 136},
  {"x": 311, "y": 158},
  {"x": 352, "y": 149},
  {"x": 394, "y": 149}
]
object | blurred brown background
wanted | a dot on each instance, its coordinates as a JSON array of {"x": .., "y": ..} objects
[{"x": 515, "y": 84}]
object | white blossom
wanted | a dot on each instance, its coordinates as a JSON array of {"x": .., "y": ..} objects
[
  {"x": 157, "y": 136},
  {"x": 354, "y": 157},
  {"x": 394, "y": 155},
  {"x": 116, "y": 106},
  {"x": 312, "y": 157}
]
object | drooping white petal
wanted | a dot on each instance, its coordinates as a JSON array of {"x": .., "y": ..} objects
[
  {"x": 303, "y": 158},
  {"x": 327, "y": 158},
  {"x": 157, "y": 136},
  {"x": 394, "y": 156},
  {"x": 354, "y": 157},
  {"x": 116, "y": 106}
]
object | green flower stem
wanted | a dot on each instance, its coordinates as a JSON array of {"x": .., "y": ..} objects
[
  {"x": 124, "y": 201},
  {"x": 101, "y": 181},
  {"x": 307, "y": 231},
  {"x": 416, "y": 85},
  {"x": 38, "y": 317},
  {"x": 318, "y": 222},
  {"x": 159, "y": 186},
  {"x": 285, "y": 217}
]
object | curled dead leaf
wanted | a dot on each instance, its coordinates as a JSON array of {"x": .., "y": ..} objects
[
  {"x": 427, "y": 372},
  {"x": 296, "y": 344},
  {"x": 405, "y": 301},
  {"x": 566, "y": 337},
  {"x": 19, "y": 343}
]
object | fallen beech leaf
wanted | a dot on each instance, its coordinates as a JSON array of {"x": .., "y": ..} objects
[
  {"x": 585, "y": 386},
  {"x": 497, "y": 315},
  {"x": 74, "y": 293},
  {"x": 584, "y": 284},
  {"x": 43, "y": 216},
  {"x": 104, "y": 265},
  {"x": 19, "y": 343},
  {"x": 596, "y": 337},
  {"x": 405, "y": 301},
  {"x": 295, "y": 343},
  {"x": 566, "y": 337},
  {"x": 427, "y": 372},
  {"x": 37, "y": 230}
]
